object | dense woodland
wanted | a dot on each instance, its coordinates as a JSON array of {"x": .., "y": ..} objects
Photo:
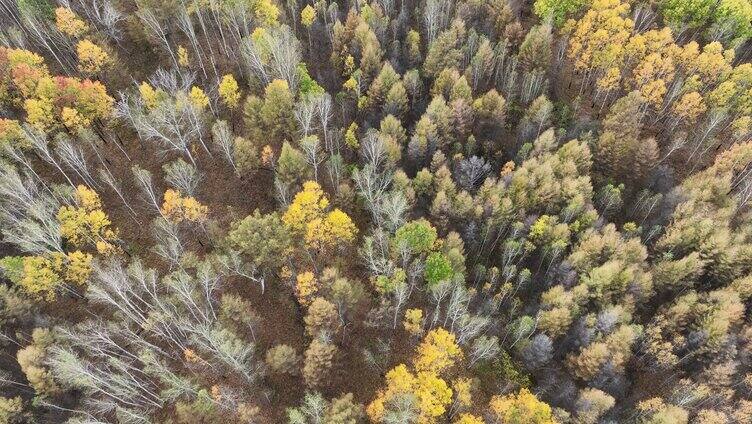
[{"x": 343, "y": 212}]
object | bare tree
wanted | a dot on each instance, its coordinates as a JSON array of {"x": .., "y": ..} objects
[
  {"x": 157, "y": 30},
  {"x": 436, "y": 17},
  {"x": 41, "y": 145},
  {"x": 313, "y": 153},
  {"x": 223, "y": 140},
  {"x": 29, "y": 214},
  {"x": 174, "y": 123},
  {"x": 305, "y": 112},
  {"x": 323, "y": 105},
  {"x": 275, "y": 55},
  {"x": 471, "y": 172},
  {"x": 371, "y": 186},
  {"x": 106, "y": 176},
  {"x": 73, "y": 156},
  {"x": 182, "y": 175},
  {"x": 143, "y": 180}
]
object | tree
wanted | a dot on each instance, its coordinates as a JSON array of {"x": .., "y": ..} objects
[
  {"x": 557, "y": 11},
  {"x": 535, "y": 50},
  {"x": 307, "y": 206},
  {"x": 11, "y": 410},
  {"x": 42, "y": 277},
  {"x": 229, "y": 91},
  {"x": 86, "y": 224},
  {"x": 318, "y": 362},
  {"x": 198, "y": 98},
  {"x": 32, "y": 360},
  {"x": 316, "y": 409},
  {"x": 66, "y": 101},
  {"x": 422, "y": 394},
  {"x": 469, "y": 419},
  {"x": 183, "y": 59},
  {"x": 273, "y": 116},
  {"x": 11, "y": 134},
  {"x": 92, "y": 59},
  {"x": 520, "y": 407},
  {"x": 656, "y": 412},
  {"x": 310, "y": 411},
  {"x": 69, "y": 23},
  {"x": 321, "y": 317},
  {"x": 445, "y": 51},
  {"x": 307, "y": 16},
  {"x": 267, "y": 12},
  {"x": 437, "y": 352},
  {"x": 425, "y": 394},
  {"x": 344, "y": 410},
  {"x": 396, "y": 102},
  {"x": 490, "y": 109},
  {"x": 282, "y": 358},
  {"x": 182, "y": 176},
  {"x": 693, "y": 13},
  {"x": 413, "y": 321},
  {"x": 178, "y": 208},
  {"x": 307, "y": 86},
  {"x": 619, "y": 152},
  {"x": 247, "y": 158},
  {"x": 292, "y": 165},
  {"x": 732, "y": 20},
  {"x": 263, "y": 239},
  {"x": 592, "y": 404},
  {"x": 270, "y": 53},
  {"x": 437, "y": 269},
  {"x": 306, "y": 287},
  {"x": 598, "y": 40},
  {"x": 418, "y": 236},
  {"x": 333, "y": 230},
  {"x": 321, "y": 230}
]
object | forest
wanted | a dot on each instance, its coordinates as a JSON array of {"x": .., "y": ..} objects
[{"x": 376, "y": 211}]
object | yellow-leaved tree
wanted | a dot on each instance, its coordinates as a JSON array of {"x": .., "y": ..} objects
[
  {"x": 306, "y": 287},
  {"x": 437, "y": 352},
  {"x": 229, "y": 91},
  {"x": 307, "y": 216},
  {"x": 198, "y": 98},
  {"x": 424, "y": 386},
  {"x": 85, "y": 224},
  {"x": 307, "y": 16},
  {"x": 92, "y": 59},
  {"x": 178, "y": 208},
  {"x": 42, "y": 276},
  {"x": 521, "y": 408},
  {"x": 69, "y": 23}
]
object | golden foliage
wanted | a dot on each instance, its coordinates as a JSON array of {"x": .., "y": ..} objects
[
  {"x": 69, "y": 23},
  {"x": 308, "y": 205},
  {"x": 42, "y": 276},
  {"x": 329, "y": 231},
  {"x": 229, "y": 91},
  {"x": 413, "y": 321},
  {"x": 92, "y": 59},
  {"x": 178, "y": 208},
  {"x": 521, "y": 408},
  {"x": 307, "y": 216},
  {"x": 198, "y": 98},
  {"x": 438, "y": 352},
  {"x": 599, "y": 37},
  {"x": 307, "y": 16},
  {"x": 86, "y": 223},
  {"x": 306, "y": 287},
  {"x": 183, "y": 58}
]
